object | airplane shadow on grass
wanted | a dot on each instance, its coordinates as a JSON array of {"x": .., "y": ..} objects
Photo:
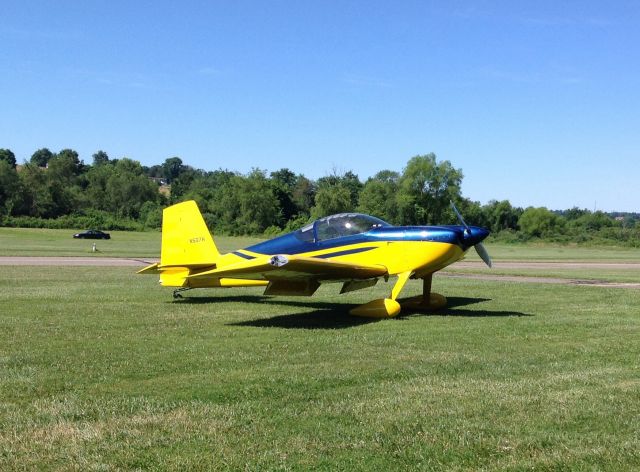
[{"x": 336, "y": 315}]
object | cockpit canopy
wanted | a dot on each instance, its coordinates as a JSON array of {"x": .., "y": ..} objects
[{"x": 335, "y": 226}]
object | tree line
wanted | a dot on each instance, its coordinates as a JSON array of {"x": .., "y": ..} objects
[{"x": 60, "y": 190}]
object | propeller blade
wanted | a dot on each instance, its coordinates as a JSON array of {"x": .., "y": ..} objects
[
  {"x": 460, "y": 219},
  {"x": 482, "y": 252},
  {"x": 480, "y": 249}
]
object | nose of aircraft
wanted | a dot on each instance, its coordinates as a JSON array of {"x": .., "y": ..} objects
[
  {"x": 473, "y": 236},
  {"x": 476, "y": 235}
]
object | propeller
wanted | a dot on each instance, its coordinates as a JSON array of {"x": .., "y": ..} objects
[
  {"x": 482, "y": 252},
  {"x": 479, "y": 247}
]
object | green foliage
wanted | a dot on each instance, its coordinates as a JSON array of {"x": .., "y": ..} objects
[
  {"x": 41, "y": 157},
  {"x": 378, "y": 196},
  {"x": 474, "y": 213},
  {"x": 172, "y": 168},
  {"x": 425, "y": 190},
  {"x": 73, "y": 159},
  {"x": 10, "y": 191},
  {"x": 283, "y": 182},
  {"x": 151, "y": 215},
  {"x": 500, "y": 216},
  {"x": 91, "y": 219},
  {"x": 348, "y": 181},
  {"x": 127, "y": 189},
  {"x": 539, "y": 222},
  {"x": 593, "y": 221},
  {"x": 59, "y": 185},
  {"x": 304, "y": 194},
  {"x": 330, "y": 199},
  {"x": 258, "y": 206},
  {"x": 296, "y": 223},
  {"x": 7, "y": 156},
  {"x": 100, "y": 158},
  {"x": 37, "y": 198}
]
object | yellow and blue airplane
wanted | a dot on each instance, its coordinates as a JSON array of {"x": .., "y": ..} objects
[{"x": 354, "y": 249}]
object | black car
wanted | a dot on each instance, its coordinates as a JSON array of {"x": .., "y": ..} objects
[{"x": 92, "y": 234}]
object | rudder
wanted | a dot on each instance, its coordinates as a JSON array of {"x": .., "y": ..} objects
[{"x": 186, "y": 240}]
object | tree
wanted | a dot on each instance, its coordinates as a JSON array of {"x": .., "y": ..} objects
[
  {"x": 304, "y": 195},
  {"x": 501, "y": 215},
  {"x": 539, "y": 222},
  {"x": 378, "y": 196},
  {"x": 473, "y": 213},
  {"x": 100, "y": 158},
  {"x": 348, "y": 180},
  {"x": 41, "y": 157},
  {"x": 128, "y": 188},
  {"x": 593, "y": 221},
  {"x": 425, "y": 190},
  {"x": 8, "y": 156},
  {"x": 181, "y": 184},
  {"x": 60, "y": 178},
  {"x": 37, "y": 198},
  {"x": 96, "y": 192},
  {"x": 9, "y": 187},
  {"x": 154, "y": 171},
  {"x": 574, "y": 213},
  {"x": 283, "y": 182},
  {"x": 258, "y": 205},
  {"x": 72, "y": 157},
  {"x": 331, "y": 199},
  {"x": 172, "y": 168}
]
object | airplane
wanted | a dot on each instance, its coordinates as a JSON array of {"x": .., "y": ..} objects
[{"x": 352, "y": 248}]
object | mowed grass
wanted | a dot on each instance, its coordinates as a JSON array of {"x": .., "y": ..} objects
[
  {"x": 101, "y": 370},
  {"x": 60, "y": 242},
  {"x": 547, "y": 252}
]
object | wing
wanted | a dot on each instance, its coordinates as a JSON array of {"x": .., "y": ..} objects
[{"x": 289, "y": 268}]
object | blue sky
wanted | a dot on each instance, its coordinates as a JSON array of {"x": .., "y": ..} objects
[{"x": 537, "y": 102}]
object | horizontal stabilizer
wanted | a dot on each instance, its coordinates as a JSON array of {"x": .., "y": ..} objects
[{"x": 152, "y": 269}]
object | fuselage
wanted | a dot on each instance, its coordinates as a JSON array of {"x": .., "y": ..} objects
[{"x": 398, "y": 248}]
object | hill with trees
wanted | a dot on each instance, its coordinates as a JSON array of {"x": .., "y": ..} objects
[{"x": 58, "y": 190}]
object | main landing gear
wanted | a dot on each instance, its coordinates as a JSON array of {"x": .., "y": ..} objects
[
  {"x": 428, "y": 301},
  {"x": 390, "y": 307}
]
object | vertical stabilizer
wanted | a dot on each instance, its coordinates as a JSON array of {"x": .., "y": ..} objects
[{"x": 186, "y": 241}]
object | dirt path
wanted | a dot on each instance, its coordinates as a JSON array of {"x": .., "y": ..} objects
[
  {"x": 549, "y": 265},
  {"x": 541, "y": 280},
  {"x": 546, "y": 265}
]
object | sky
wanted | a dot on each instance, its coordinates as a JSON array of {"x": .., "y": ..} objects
[{"x": 536, "y": 102}]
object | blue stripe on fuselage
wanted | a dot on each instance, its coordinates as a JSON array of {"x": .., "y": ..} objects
[
  {"x": 345, "y": 252},
  {"x": 244, "y": 256},
  {"x": 290, "y": 244}
]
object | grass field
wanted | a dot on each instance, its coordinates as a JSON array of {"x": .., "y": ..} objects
[
  {"x": 101, "y": 370},
  {"x": 556, "y": 252},
  {"x": 60, "y": 242}
]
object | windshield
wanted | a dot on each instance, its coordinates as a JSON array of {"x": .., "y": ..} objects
[
  {"x": 305, "y": 234},
  {"x": 346, "y": 224}
]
